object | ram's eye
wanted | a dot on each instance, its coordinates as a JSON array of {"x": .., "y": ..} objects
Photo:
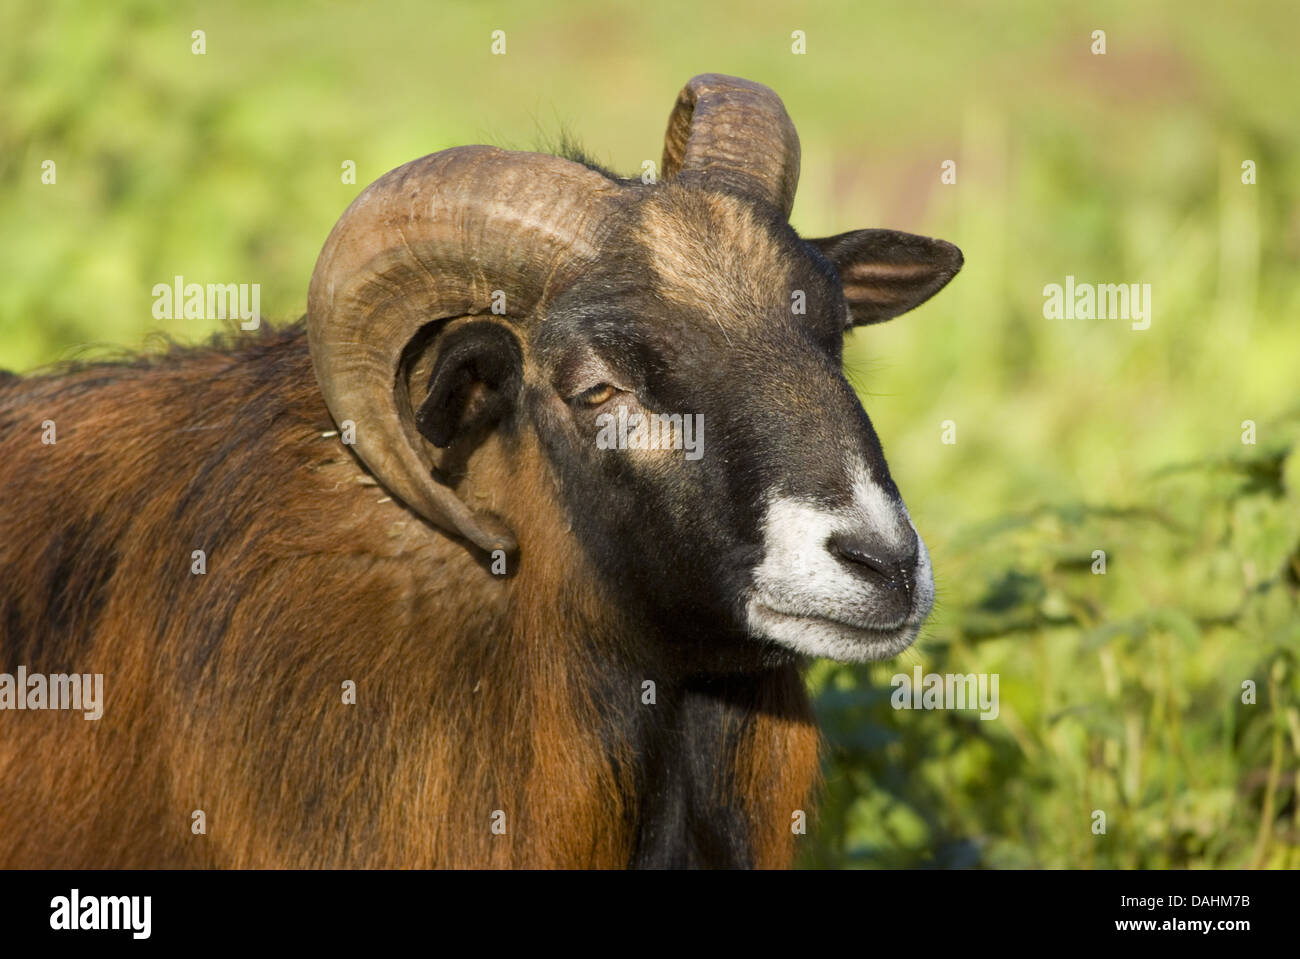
[{"x": 598, "y": 394}]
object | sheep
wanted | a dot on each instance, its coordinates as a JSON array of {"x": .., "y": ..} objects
[{"x": 364, "y": 590}]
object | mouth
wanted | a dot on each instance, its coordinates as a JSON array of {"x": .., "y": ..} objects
[{"x": 823, "y": 636}]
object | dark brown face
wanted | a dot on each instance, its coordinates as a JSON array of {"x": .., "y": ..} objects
[{"x": 713, "y": 460}]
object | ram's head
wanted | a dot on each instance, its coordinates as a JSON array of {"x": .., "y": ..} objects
[{"x": 667, "y": 356}]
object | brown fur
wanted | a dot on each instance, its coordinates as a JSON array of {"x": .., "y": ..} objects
[
  {"x": 740, "y": 280},
  {"x": 222, "y": 691}
]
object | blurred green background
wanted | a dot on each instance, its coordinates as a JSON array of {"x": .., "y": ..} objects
[{"x": 1120, "y": 692}]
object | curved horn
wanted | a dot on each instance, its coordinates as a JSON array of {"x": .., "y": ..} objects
[
  {"x": 735, "y": 133},
  {"x": 433, "y": 239}
]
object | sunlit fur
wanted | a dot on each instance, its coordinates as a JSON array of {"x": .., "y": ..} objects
[{"x": 475, "y": 693}]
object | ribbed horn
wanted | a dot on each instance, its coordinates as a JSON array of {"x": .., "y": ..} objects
[
  {"x": 435, "y": 239},
  {"x": 735, "y": 134}
]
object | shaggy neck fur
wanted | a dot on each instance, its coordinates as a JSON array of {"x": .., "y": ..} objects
[{"x": 499, "y": 721}]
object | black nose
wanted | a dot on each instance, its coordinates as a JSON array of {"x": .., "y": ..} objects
[{"x": 883, "y": 565}]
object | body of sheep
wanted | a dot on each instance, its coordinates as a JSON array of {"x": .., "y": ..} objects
[{"x": 498, "y": 720}]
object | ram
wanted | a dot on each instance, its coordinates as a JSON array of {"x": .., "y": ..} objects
[{"x": 366, "y": 591}]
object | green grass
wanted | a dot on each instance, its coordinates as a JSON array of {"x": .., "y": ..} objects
[{"x": 1119, "y": 693}]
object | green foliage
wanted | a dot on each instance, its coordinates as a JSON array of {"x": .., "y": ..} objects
[{"x": 1119, "y": 692}]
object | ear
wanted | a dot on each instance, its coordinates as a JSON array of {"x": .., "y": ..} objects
[
  {"x": 886, "y": 273},
  {"x": 475, "y": 381}
]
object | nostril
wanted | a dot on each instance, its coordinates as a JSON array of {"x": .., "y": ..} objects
[
  {"x": 875, "y": 559},
  {"x": 856, "y": 551}
]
